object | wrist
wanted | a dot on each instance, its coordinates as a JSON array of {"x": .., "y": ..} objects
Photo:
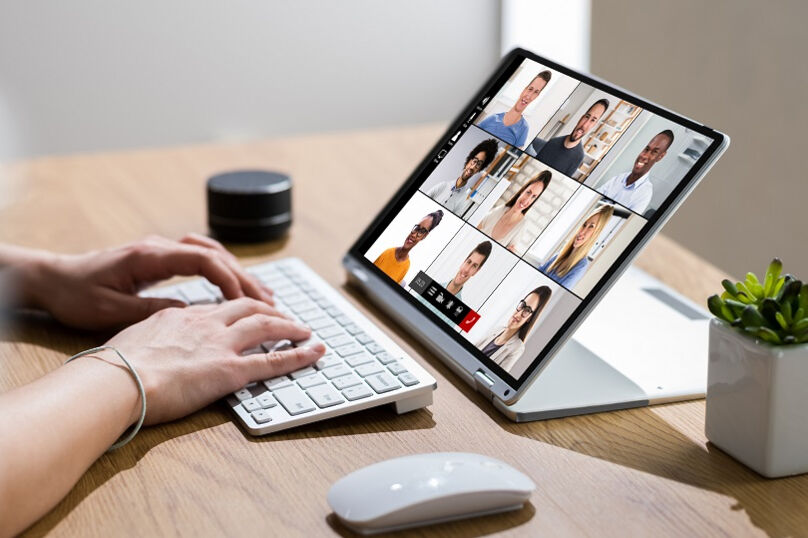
[{"x": 26, "y": 276}]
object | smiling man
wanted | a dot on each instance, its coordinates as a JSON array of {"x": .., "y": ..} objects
[
  {"x": 511, "y": 126},
  {"x": 634, "y": 189},
  {"x": 470, "y": 266},
  {"x": 453, "y": 194},
  {"x": 564, "y": 153}
]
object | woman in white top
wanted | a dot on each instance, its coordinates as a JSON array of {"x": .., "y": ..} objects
[
  {"x": 505, "y": 344},
  {"x": 506, "y": 222}
]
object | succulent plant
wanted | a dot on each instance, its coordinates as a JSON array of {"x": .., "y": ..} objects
[{"x": 775, "y": 310}]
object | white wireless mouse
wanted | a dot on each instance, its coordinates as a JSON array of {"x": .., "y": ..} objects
[{"x": 427, "y": 488}]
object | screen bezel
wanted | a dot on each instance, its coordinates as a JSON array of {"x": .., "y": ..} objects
[{"x": 506, "y": 67}]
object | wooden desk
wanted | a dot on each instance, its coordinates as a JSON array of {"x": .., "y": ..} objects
[{"x": 642, "y": 472}]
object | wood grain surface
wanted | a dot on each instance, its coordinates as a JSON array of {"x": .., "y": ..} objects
[{"x": 641, "y": 472}]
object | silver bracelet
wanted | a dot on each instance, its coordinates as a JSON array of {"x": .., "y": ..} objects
[{"x": 139, "y": 423}]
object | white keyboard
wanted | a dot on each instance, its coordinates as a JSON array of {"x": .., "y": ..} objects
[{"x": 362, "y": 366}]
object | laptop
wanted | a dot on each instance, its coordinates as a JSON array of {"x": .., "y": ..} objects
[{"x": 493, "y": 254}]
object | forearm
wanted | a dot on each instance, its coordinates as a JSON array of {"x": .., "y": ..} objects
[
  {"x": 52, "y": 430},
  {"x": 22, "y": 272}
]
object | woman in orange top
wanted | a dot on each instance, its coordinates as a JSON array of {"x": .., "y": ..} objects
[{"x": 395, "y": 261}]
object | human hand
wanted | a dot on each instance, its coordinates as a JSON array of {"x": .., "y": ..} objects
[
  {"x": 190, "y": 357},
  {"x": 98, "y": 290}
]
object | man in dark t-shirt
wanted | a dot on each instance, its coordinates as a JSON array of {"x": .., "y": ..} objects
[{"x": 564, "y": 153}]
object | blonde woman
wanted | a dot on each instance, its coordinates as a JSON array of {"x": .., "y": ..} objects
[
  {"x": 506, "y": 222},
  {"x": 569, "y": 264}
]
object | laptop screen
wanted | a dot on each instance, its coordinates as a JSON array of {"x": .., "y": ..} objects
[{"x": 537, "y": 191}]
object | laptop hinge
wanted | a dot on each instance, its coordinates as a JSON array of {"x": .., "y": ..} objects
[{"x": 483, "y": 383}]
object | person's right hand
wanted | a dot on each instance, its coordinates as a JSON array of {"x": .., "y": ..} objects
[{"x": 190, "y": 357}]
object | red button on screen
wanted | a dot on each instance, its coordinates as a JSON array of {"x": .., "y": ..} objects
[{"x": 469, "y": 321}]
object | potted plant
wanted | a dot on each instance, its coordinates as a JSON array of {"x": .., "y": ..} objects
[{"x": 757, "y": 380}]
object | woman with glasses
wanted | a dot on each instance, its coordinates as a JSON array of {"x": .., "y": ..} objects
[
  {"x": 511, "y": 127},
  {"x": 395, "y": 261},
  {"x": 506, "y": 222},
  {"x": 569, "y": 264},
  {"x": 505, "y": 344}
]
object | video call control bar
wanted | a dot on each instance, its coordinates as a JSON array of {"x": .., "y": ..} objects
[{"x": 444, "y": 302}]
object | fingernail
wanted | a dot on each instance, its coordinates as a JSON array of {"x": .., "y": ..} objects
[{"x": 317, "y": 347}]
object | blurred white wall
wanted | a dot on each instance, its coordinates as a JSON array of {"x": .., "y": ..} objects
[{"x": 91, "y": 75}]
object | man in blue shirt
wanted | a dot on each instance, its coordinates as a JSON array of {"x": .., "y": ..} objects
[
  {"x": 510, "y": 126},
  {"x": 564, "y": 153}
]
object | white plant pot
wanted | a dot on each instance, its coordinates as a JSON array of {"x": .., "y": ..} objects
[{"x": 757, "y": 401}]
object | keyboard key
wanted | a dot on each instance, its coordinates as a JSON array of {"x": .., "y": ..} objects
[
  {"x": 374, "y": 348},
  {"x": 333, "y": 311},
  {"x": 261, "y": 416},
  {"x": 325, "y": 396},
  {"x": 353, "y": 328},
  {"x": 408, "y": 379},
  {"x": 321, "y": 323},
  {"x": 292, "y": 296},
  {"x": 350, "y": 349},
  {"x": 323, "y": 303},
  {"x": 310, "y": 381},
  {"x": 369, "y": 369},
  {"x": 336, "y": 371},
  {"x": 356, "y": 392},
  {"x": 266, "y": 400},
  {"x": 396, "y": 368},
  {"x": 196, "y": 293},
  {"x": 339, "y": 340},
  {"x": 343, "y": 320},
  {"x": 356, "y": 360},
  {"x": 213, "y": 290},
  {"x": 327, "y": 360},
  {"x": 251, "y": 405},
  {"x": 311, "y": 315},
  {"x": 243, "y": 394},
  {"x": 302, "y": 306},
  {"x": 386, "y": 358},
  {"x": 346, "y": 381},
  {"x": 303, "y": 372},
  {"x": 277, "y": 383},
  {"x": 329, "y": 332},
  {"x": 363, "y": 338},
  {"x": 294, "y": 400},
  {"x": 382, "y": 382}
]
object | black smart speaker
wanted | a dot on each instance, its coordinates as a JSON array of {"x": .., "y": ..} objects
[{"x": 249, "y": 206}]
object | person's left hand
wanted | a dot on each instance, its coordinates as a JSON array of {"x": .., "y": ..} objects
[{"x": 98, "y": 290}]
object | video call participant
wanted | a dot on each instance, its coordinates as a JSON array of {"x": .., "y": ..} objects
[
  {"x": 505, "y": 223},
  {"x": 395, "y": 261},
  {"x": 564, "y": 153},
  {"x": 453, "y": 194},
  {"x": 511, "y": 127},
  {"x": 505, "y": 344},
  {"x": 470, "y": 267},
  {"x": 634, "y": 189},
  {"x": 568, "y": 265}
]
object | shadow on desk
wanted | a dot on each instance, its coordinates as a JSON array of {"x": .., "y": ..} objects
[
  {"x": 643, "y": 440},
  {"x": 478, "y": 526}
]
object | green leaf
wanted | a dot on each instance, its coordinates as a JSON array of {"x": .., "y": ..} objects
[
  {"x": 751, "y": 278},
  {"x": 798, "y": 315},
  {"x": 774, "y": 269},
  {"x": 768, "y": 284},
  {"x": 751, "y": 317},
  {"x": 730, "y": 287},
  {"x": 778, "y": 287},
  {"x": 768, "y": 335},
  {"x": 781, "y": 320},
  {"x": 785, "y": 308},
  {"x": 804, "y": 297},
  {"x": 800, "y": 325},
  {"x": 745, "y": 290},
  {"x": 769, "y": 308},
  {"x": 719, "y": 309}
]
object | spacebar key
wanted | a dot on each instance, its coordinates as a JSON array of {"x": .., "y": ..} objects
[{"x": 294, "y": 400}]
